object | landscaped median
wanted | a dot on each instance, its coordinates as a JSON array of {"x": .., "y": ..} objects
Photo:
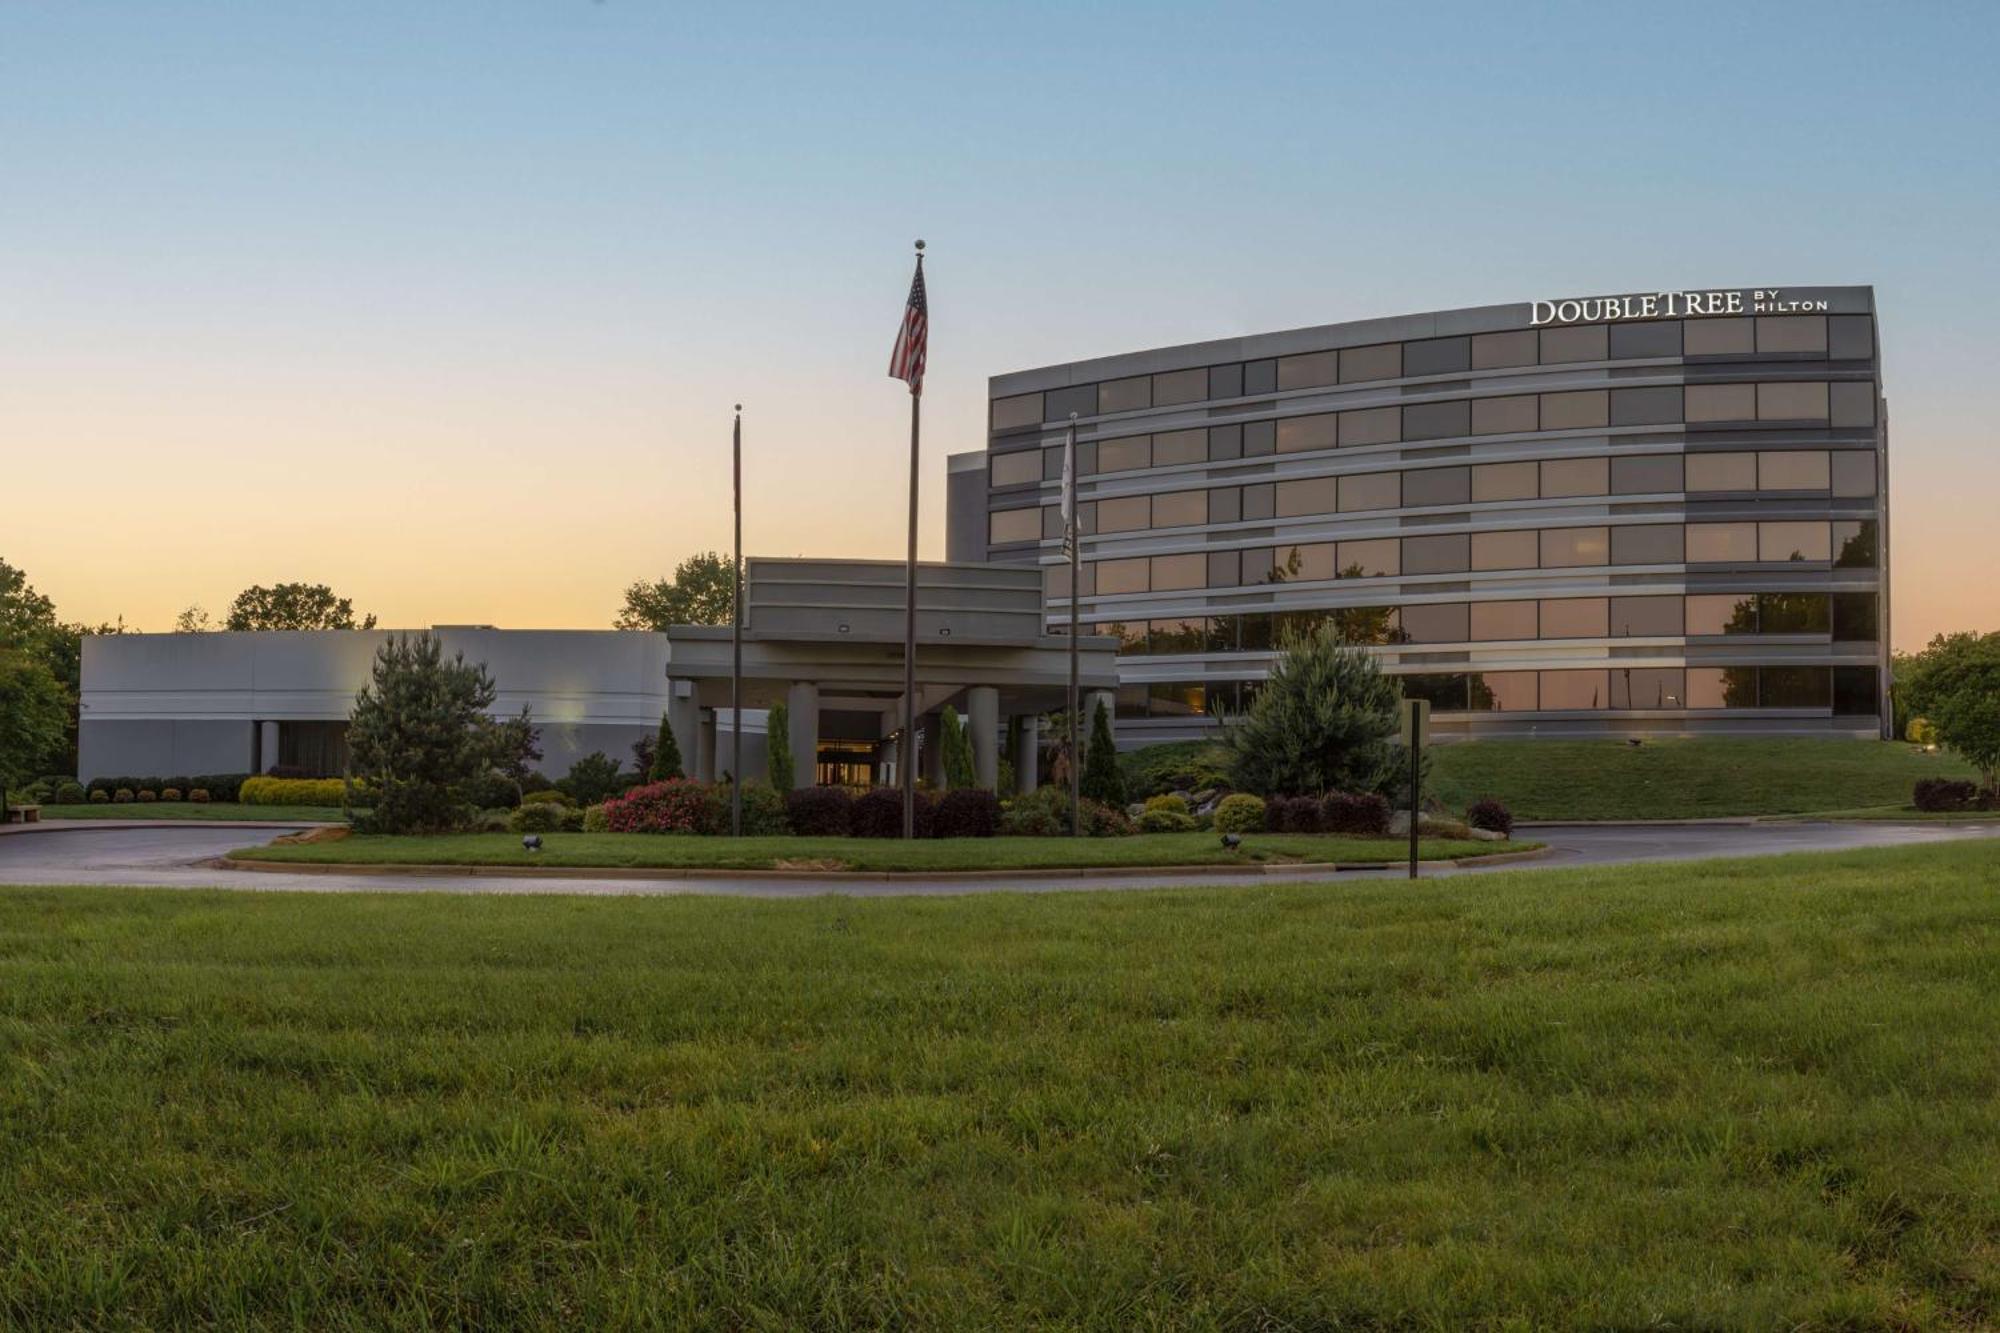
[{"x": 875, "y": 855}]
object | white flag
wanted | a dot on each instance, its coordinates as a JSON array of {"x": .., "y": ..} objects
[{"x": 1069, "y": 492}]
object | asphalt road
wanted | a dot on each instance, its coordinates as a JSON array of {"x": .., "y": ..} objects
[{"x": 167, "y": 856}]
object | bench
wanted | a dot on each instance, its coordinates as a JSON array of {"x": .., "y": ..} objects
[{"x": 24, "y": 814}]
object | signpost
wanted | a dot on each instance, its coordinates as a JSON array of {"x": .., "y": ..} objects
[{"x": 1416, "y": 721}]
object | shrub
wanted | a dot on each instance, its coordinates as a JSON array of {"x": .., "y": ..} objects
[
  {"x": 1365, "y": 813},
  {"x": 290, "y": 772},
  {"x": 1944, "y": 794},
  {"x": 1920, "y": 732},
  {"x": 1098, "y": 820},
  {"x": 777, "y": 749},
  {"x": 955, "y": 745},
  {"x": 1174, "y": 766},
  {"x": 100, "y": 797},
  {"x": 1324, "y": 721},
  {"x": 69, "y": 793},
  {"x": 878, "y": 813},
  {"x": 681, "y": 806},
  {"x": 1171, "y": 801},
  {"x": 1165, "y": 820},
  {"x": 123, "y": 796},
  {"x": 1101, "y": 780},
  {"x": 572, "y": 820},
  {"x": 592, "y": 779},
  {"x": 220, "y": 786},
  {"x": 967, "y": 812},
  {"x": 1492, "y": 816},
  {"x": 763, "y": 810},
  {"x": 1292, "y": 814},
  {"x": 148, "y": 796},
  {"x": 293, "y": 791},
  {"x": 595, "y": 820},
  {"x": 419, "y": 733},
  {"x": 819, "y": 812},
  {"x": 490, "y": 791},
  {"x": 1042, "y": 813},
  {"x": 549, "y": 797},
  {"x": 537, "y": 817},
  {"x": 170, "y": 793},
  {"x": 199, "y": 795},
  {"x": 1241, "y": 813}
]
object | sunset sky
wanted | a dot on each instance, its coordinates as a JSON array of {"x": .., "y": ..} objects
[{"x": 446, "y": 305}]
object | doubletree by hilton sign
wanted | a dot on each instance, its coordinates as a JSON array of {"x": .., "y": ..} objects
[{"x": 1672, "y": 305}]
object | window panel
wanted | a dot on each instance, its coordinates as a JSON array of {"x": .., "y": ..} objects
[
  {"x": 1722, "y": 687},
  {"x": 1721, "y": 472},
  {"x": 1791, "y": 333},
  {"x": 1792, "y": 402},
  {"x": 1436, "y": 555},
  {"x": 1794, "y": 613},
  {"x": 1721, "y": 613},
  {"x": 1180, "y": 446},
  {"x": 1021, "y": 410},
  {"x": 1503, "y": 620},
  {"x": 1225, "y": 443},
  {"x": 1794, "y": 687},
  {"x": 1131, "y": 635},
  {"x": 1496, "y": 351},
  {"x": 1445, "y": 692},
  {"x": 1126, "y": 513},
  {"x": 1309, "y": 370},
  {"x": 1577, "y": 342},
  {"x": 1793, "y": 542},
  {"x": 1505, "y": 550},
  {"x": 1380, "y": 558},
  {"x": 1180, "y": 508},
  {"x": 1183, "y": 635},
  {"x": 1437, "y": 421},
  {"x": 1055, "y": 580},
  {"x": 1307, "y": 562},
  {"x": 1854, "y": 544},
  {"x": 1128, "y": 395},
  {"x": 1855, "y": 619},
  {"x": 1505, "y": 692},
  {"x": 1052, "y": 463},
  {"x": 1514, "y": 415},
  {"x": 1366, "y": 624},
  {"x": 1505, "y": 481},
  {"x": 1374, "y": 490},
  {"x": 1223, "y": 569},
  {"x": 1254, "y": 635},
  {"x": 1437, "y": 486},
  {"x": 1577, "y": 410},
  {"x": 1259, "y": 502},
  {"x": 1721, "y": 402},
  {"x": 1654, "y": 405},
  {"x": 1649, "y": 687},
  {"x": 1646, "y": 338},
  {"x": 1308, "y": 495},
  {"x": 1646, "y": 474},
  {"x": 1711, "y": 543},
  {"x": 1180, "y": 386},
  {"x": 1575, "y": 618},
  {"x": 1016, "y": 469},
  {"x": 1371, "y": 425},
  {"x": 1014, "y": 525},
  {"x": 1645, "y": 617},
  {"x": 1857, "y": 691},
  {"x": 1259, "y": 438},
  {"x": 1121, "y": 576},
  {"x": 1383, "y": 361},
  {"x": 1851, "y": 403},
  {"x": 1575, "y": 691},
  {"x": 1298, "y": 434},
  {"x": 1081, "y": 399},
  {"x": 1850, "y": 337},
  {"x": 1126, "y": 454},
  {"x": 1174, "y": 572},
  {"x": 1052, "y": 524},
  {"x": 1437, "y": 356},
  {"x": 1225, "y": 504},
  {"x": 1647, "y": 544},
  {"x": 1443, "y": 623},
  {"x": 1225, "y": 381},
  {"x": 1569, "y": 547},
  {"x": 1563, "y": 477},
  {"x": 1793, "y": 470},
  {"x": 1718, "y": 337},
  {"x": 1130, "y": 701}
]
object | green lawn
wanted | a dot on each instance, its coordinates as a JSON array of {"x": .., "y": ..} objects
[
  {"x": 634, "y": 849},
  {"x": 191, "y": 810},
  {"x": 1755, "y": 1094}
]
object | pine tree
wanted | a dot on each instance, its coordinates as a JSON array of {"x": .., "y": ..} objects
[
  {"x": 1325, "y": 721},
  {"x": 1101, "y": 780},
  {"x": 778, "y": 748},
  {"x": 959, "y": 774},
  {"x": 419, "y": 736},
  {"x": 666, "y": 754}
]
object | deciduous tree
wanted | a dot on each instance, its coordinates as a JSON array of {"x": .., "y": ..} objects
[
  {"x": 699, "y": 593},
  {"x": 292, "y": 606}
]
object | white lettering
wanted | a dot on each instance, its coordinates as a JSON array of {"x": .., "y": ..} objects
[
  {"x": 1536, "y": 315},
  {"x": 1568, "y": 312},
  {"x": 1648, "y": 307},
  {"x": 1735, "y": 300}
]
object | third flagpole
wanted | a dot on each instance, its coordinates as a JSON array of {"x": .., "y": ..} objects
[
  {"x": 1071, "y": 539},
  {"x": 906, "y": 363},
  {"x": 736, "y": 637}
]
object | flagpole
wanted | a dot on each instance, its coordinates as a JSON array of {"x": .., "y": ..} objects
[
  {"x": 909, "y": 755},
  {"x": 736, "y": 637},
  {"x": 1072, "y": 529}
]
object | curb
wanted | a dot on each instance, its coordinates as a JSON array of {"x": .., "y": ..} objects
[
  {"x": 1730, "y": 821},
  {"x": 105, "y": 825}
]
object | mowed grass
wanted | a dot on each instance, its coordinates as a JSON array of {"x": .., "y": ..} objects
[
  {"x": 1752, "y": 1094},
  {"x": 1684, "y": 779},
  {"x": 636, "y": 850},
  {"x": 310, "y": 814}
]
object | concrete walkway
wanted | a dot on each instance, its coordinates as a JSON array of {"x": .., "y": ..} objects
[{"x": 167, "y": 856}]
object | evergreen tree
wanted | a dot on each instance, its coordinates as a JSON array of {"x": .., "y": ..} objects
[
  {"x": 1101, "y": 780},
  {"x": 419, "y": 735},
  {"x": 1325, "y": 721},
  {"x": 956, "y": 745},
  {"x": 666, "y": 754},
  {"x": 778, "y": 748}
]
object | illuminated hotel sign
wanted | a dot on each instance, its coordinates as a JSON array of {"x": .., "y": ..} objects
[{"x": 1672, "y": 305}]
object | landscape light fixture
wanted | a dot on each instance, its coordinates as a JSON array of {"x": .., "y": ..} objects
[
  {"x": 1231, "y": 841},
  {"x": 533, "y": 842}
]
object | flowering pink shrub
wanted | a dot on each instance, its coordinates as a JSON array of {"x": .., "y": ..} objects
[{"x": 681, "y": 805}]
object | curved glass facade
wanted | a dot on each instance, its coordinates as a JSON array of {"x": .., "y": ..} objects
[{"x": 1648, "y": 523}]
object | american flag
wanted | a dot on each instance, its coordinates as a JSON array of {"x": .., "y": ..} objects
[{"x": 907, "y": 361}]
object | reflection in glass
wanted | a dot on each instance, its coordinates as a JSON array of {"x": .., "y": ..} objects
[
  {"x": 1505, "y": 692},
  {"x": 1446, "y": 693},
  {"x": 1854, "y": 540},
  {"x": 1793, "y": 613},
  {"x": 1794, "y": 687}
]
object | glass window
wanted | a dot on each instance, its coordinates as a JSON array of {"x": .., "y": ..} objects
[
  {"x": 1125, "y": 395},
  {"x": 1504, "y": 691},
  {"x": 1259, "y": 438},
  {"x": 1371, "y": 425},
  {"x": 1647, "y": 544},
  {"x": 1130, "y": 701},
  {"x": 1180, "y": 446},
  {"x": 1721, "y": 472},
  {"x": 1178, "y": 636},
  {"x": 1253, "y": 634},
  {"x": 1221, "y": 694},
  {"x": 1131, "y": 635},
  {"x": 1298, "y": 434},
  {"x": 1721, "y": 613},
  {"x": 1052, "y": 525},
  {"x": 1514, "y": 415},
  {"x": 1721, "y": 402},
  {"x": 1794, "y": 687},
  {"x": 1309, "y": 370},
  {"x": 1373, "y": 490},
  {"x": 1180, "y": 386},
  {"x": 1444, "y": 623},
  {"x": 1577, "y": 342},
  {"x": 1437, "y": 486},
  {"x": 1722, "y": 687},
  {"x": 1180, "y": 508},
  {"x": 1259, "y": 502},
  {"x": 1649, "y": 687},
  {"x": 1120, "y": 576},
  {"x": 1126, "y": 513},
  {"x": 1014, "y": 525},
  {"x": 1645, "y": 617},
  {"x": 1503, "y": 620},
  {"x": 1718, "y": 337},
  {"x": 1052, "y": 462},
  {"x": 1793, "y": 542},
  {"x": 1021, "y": 410},
  {"x": 1652, "y": 406},
  {"x": 1709, "y": 543},
  {"x": 1791, "y": 333},
  {"x": 1854, "y": 544},
  {"x": 1225, "y": 381},
  {"x": 1173, "y": 572},
  {"x": 1505, "y": 481},
  {"x": 1436, "y": 555},
  {"x": 1571, "y": 691},
  {"x": 1495, "y": 351},
  {"x": 1124, "y": 455},
  {"x": 1569, "y": 547},
  {"x": 1223, "y": 569},
  {"x": 1575, "y": 618},
  {"x": 1308, "y": 562},
  {"x": 1080, "y": 399},
  {"x": 1016, "y": 469},
  {"x": 1437, "y": 421},
  {"x": 1575, "y": 476},
  {"x": 1446, "y": 693},
  {"x": 1851, "y": 403},
  {"x": 1792, "y": 402},
  {"x": 1225, "y": 504},
  {"x": 1646, "y": 474},
  {"x": 1260, "y": 377},
  {"x": 1850, "y": 337},
  {"x": 1575, "y": 411},
  {"x": 1793, "y": 613},
  {"x": 1225, "y": 443},
  {"x": 1857, "y": 692},
  {"x": 1793, "y": 470},
  {"x": 1504, "y": 550},
  {"x": 1383, "y": 361},
  {"x": 1437, "y": 356},
  {"x": 1055, "y": 581},
  {"x": 1854, "y": 618},
  {"x": 1380, "y": 558},
  {"x": 1646, "y": 338},
  {"x": 1308, "y": 495}
]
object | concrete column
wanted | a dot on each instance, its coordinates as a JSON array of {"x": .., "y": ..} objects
[
  {"x": 802, "y": 717},
  {"x": 932, "y": 766},
  {"x": 267, "y": 746},
  {"x": 683, "y": 716},
  {"x": 886, "y": 773},
  {"x": 982, "y": 715},
  {"x": 704, "y": 746},
  {"x": 1024, "y": 746}
]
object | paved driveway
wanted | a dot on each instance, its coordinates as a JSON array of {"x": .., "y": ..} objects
[{"x": 166, "y": 856}]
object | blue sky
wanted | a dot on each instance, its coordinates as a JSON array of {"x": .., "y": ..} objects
[{"x": 480, "y": 281}]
